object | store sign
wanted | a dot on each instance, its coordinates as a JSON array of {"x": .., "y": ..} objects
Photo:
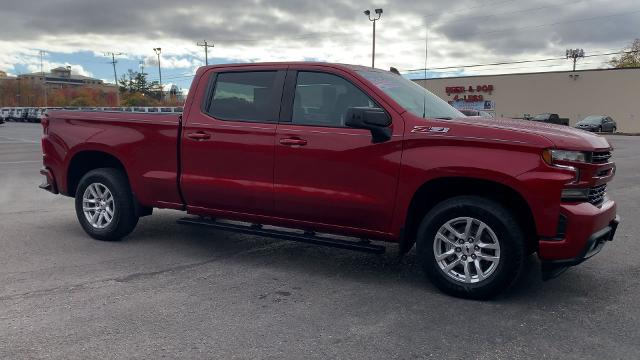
[
  {"x": 469, "y": 93},
  {"x": 460, "y": 104}
]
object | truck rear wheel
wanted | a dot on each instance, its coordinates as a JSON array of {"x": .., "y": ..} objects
[
  {"x": 105, "y": 205},
  {"x": 471, "y": 247}
]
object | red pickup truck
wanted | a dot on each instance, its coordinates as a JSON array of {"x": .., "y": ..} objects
[{"x": 340, "y": 155}]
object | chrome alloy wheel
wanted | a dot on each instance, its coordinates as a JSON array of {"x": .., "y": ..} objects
[
  {"x": 466, "y": 249},
  {"x": 98, "y": 205}
]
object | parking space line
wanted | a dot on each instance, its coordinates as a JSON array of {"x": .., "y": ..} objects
[
  {"x": 18, "y": 140},
  {"x": 20, "y": 162}
]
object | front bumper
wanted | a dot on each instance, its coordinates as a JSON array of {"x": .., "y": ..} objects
[{"x": 593, "y": 245}]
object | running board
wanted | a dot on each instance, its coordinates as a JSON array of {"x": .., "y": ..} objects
[{"x": 307, "y": 237}]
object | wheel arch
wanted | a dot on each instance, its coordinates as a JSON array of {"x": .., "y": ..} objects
[
  {"x": 86, "y": 160},
  {"x": 434, "y": 191}
]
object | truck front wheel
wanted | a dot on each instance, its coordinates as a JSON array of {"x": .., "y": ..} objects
[
  {"x": 105, "y": 205},
  {"x": 471, "y": 247}
]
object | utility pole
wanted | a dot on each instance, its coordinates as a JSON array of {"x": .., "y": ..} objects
[
  {"x": 44, "y": 80},
  {"x": 373, "y": 20},
  {"x": 574, "y": 54},
  {"x": 158, "y": 51},
  {"x": 115, "y": 75},
  {"x": 206, "y": 46}
]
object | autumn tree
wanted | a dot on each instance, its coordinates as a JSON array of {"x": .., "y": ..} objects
[
  {"x": 135, "y": 82},
  {"x": 630, "y": 57}
]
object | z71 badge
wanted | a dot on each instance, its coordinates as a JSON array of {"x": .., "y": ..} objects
[{"x": 430, "y": 129}]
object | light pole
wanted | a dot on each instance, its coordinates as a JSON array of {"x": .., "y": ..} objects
[
  {"x": 574, "y": 54},
  {"x": 373, "y": 20},
  {"x": 158, "y": 52}
]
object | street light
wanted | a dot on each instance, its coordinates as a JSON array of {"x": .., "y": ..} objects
[
  {"x": 373, "y": 20},
  {"x": 158, "y": 52}
]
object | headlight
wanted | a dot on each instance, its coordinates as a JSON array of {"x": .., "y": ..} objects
[{"x": 552, "y": 156}]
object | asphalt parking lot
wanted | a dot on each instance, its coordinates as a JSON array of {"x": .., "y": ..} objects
[{"x": 182, "y": 292}]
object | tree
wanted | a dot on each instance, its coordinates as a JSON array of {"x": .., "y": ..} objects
[
  {"x": 135, "y": 82},
  {"x": 630, "y": 58}
]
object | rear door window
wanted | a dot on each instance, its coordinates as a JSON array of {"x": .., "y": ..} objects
[{"x": 247, "y": 96}]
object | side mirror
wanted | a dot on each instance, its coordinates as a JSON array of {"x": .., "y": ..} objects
[{"x": 374, "y": 119}]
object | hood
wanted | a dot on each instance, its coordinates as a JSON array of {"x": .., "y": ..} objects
[{"x": 563, "y": 137}]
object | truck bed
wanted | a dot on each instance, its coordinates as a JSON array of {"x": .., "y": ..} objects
[{"x": 145, "y": 144}]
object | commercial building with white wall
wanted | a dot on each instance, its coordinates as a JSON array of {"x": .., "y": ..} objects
[{"x": 571, "y": 94}]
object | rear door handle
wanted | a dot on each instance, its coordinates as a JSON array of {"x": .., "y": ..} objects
[
  {"x": 200, "y": 135},
  {"x": 293, "y": 141}
]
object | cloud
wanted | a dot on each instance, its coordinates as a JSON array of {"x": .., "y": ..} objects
[{"x": 465, "y": 31}]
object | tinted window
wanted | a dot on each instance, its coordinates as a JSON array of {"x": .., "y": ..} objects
[
  {"x": 323, "y": 99},
  {"x": 247, "y": 96}
]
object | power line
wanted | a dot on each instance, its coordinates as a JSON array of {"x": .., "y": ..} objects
[
  {"x": 458, "y": 19},
  {"x": 466, "y": 10},
  {"x": 511, "y": 62}
]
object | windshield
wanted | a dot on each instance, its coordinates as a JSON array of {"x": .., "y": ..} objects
[
  {"x": 596, "y": 120},
  {"x": 411, "y": 96}
]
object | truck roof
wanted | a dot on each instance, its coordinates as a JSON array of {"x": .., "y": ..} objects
[{"x": 349, "y": 67}]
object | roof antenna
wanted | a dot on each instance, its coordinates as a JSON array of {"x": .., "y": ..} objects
[{"x": 426, "y": 53}]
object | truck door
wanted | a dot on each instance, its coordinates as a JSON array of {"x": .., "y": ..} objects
[
  {"x": 228, "y": 140},
  {"x": 325, "y": 172}
]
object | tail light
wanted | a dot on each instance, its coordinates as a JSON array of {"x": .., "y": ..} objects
[{"x": 45, "y": 123}]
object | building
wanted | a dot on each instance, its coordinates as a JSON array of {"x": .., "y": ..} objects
[
  {"x": 60, "y": 87},
  {"x": 571, "y": 94},
  {"x": 61, "y": 77}
]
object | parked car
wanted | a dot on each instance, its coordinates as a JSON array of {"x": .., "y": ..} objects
[
  {"x": 550, "y": 118},
  {"x": 4, "y": 114},
  {"x": 346, "y": 150},
  {"x": 476, "y": 113},
  {"x": 599, "y": 123}
]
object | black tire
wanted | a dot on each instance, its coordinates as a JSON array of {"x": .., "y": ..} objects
[
  {"x": 509, "y": 234},
  {"x": 614, "y": 129},
  {"x": 124, "y": 217}
]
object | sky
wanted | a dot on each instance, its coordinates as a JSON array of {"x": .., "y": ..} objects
[{"x": 79, "y": 33}]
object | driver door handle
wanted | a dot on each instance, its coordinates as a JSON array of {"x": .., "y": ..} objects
[
  {"x": 293, "y": 141},
  {"x": 199, "y": 135}
]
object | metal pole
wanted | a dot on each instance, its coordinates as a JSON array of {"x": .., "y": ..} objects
[
  {"x": 373, "y": 51},
  {"x": 160, "y": 75},
  {"x": 373, "y": 45},
  {"x": 44, "y": 80}
]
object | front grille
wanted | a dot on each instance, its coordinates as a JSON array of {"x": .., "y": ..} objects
[
  {"x": 596, "y": 194},
  {"x": 599, "y": 157}
]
